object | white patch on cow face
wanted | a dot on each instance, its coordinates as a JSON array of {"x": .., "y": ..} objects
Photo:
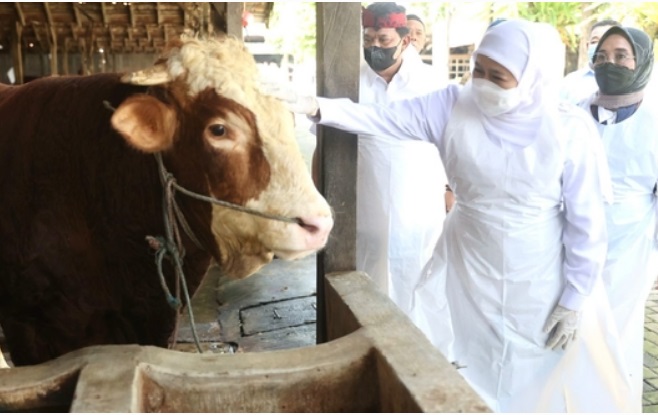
[{"x": 230, "y": 133}]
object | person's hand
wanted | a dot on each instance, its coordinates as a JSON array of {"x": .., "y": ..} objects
[
  {"x": 300, "y": 104},
  {"x": 449, "y": 199},
  {"x": 564, "y": 323}
]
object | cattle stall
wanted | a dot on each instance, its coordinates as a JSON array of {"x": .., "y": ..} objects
[{"x": 369, "y": 357}]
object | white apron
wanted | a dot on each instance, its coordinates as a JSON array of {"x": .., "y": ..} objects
[
  {"x": 503, "y": 277},
  {"x": 632, "y": 262},
  {"x": 400, "y": 191}
]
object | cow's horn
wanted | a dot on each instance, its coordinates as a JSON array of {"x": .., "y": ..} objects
[{"x": 154, "y": 75}]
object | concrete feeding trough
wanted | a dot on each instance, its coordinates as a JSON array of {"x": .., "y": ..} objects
[{"x": 376, "y": 361}]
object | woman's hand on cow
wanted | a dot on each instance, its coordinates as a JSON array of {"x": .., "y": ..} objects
[{"x": 297, "y": 103}]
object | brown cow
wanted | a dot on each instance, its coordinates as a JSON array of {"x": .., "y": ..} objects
[{"x": 78, "y": 199}]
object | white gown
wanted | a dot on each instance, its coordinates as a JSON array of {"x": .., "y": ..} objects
[
  {"x": 394, "y": 178},
  {"x": 503, "y": 242},
  {"x": 494, "y": 278},
  {"x": 632, "y": 261}
]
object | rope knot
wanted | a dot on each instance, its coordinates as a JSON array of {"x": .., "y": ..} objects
[
  {"x": 162, "y": 247},
  {"x": 155, "y": 244}
]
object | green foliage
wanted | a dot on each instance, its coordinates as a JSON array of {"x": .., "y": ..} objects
[
  {"x": 647, "y": 17},
  {"x": 561, "y": 15}
]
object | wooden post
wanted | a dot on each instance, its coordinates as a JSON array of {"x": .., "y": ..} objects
[
  {"x": 230, "y": 14},
  {"x": 338, "y": 55},
  {"x": 17, "y": 53},
  {"x": 234, "y": 19}
]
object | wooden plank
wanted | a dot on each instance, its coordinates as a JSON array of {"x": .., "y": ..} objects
[
  {"x": 283, "y": 339},
  {"x": 21, "y": 15},
  {"x": 277, "y": 282},
  {"x": 278, "y": 315},
  {"x": 338, "y": 59},
  {"x": 106, "y": 19}
]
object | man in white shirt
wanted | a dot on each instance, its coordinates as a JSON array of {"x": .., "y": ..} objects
[
  {"x": 417, "y": 32},
  {"x": 581, "y": 84},
  {"x": 400, "y": 208}
]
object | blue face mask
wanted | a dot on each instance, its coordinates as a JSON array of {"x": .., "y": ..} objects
[{"x": 590, "y": 52}]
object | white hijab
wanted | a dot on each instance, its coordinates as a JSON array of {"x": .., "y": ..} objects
[{"x": 534, "y": 54}]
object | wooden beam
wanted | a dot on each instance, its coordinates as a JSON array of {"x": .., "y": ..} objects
[
  {"x": 106, "y": 20},
  {"x": 338, "y": 60},
  {"x": 268, "y": 12},
  {"x": 74, "y": 31},
  {"x": 76, "y": 12},
  {"x": 17, "y": 53},
  {"x": 78, "y": 8},
  {"x": 158, "y": 15},
  {"x": 21, "y": 15},
  {"x": 54, "y": 63},
  {"x": 49, "y": 15},
  {"x": 133, "y": 17},
  {"x": 38, "y": 32}
]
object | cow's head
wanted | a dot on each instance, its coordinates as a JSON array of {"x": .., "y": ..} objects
[{"x": 205, "y": 106}]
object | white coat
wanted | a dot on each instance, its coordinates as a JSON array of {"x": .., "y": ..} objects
[
  {"x": 509, "y": 253},
  {"x": 400, "y": 188},
  {"x": 632, "y": 261}
]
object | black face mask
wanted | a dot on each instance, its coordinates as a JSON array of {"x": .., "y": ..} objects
[
  {"x": 378, "y": 58},
  {"x": 614, "y": 79}
]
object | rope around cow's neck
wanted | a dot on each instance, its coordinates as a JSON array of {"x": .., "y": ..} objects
[{"x": 172, "y": 245}]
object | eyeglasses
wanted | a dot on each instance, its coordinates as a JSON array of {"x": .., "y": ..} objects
[{"x": 600, "y": 58}]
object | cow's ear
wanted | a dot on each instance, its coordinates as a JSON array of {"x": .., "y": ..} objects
[{"x": 146, "y": 123}]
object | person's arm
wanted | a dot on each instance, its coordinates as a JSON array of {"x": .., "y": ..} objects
[
  {"x": 421, "y": 118},
  {"x": 586, "y": 187}
]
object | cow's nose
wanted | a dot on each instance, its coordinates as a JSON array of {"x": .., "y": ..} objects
[{"x": 317, "y": 228}]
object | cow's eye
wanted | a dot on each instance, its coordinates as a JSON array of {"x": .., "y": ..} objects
[{"x": 217, "y": 130}]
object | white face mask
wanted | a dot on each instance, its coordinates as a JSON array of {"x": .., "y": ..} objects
[{"x": 494, "y": 100}]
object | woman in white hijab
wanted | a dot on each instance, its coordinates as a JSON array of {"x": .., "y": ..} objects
[
  {"x": 517, "y": 270},
  {"x": 627, "y": 119}
]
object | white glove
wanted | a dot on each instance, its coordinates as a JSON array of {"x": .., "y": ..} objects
[
  {"x": 564, "y": 322},
  {"x": 300, "y": 104}
]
